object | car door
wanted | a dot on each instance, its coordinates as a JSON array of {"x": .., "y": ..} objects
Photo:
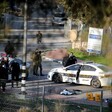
[
  {"x": 86, "y": 74},
  {"x": 71, "y": 72}
]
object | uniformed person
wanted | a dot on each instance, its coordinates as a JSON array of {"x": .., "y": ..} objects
[
  {"x": 69, "y": 60},
  {"x": 3, "y": 76},
  {"x": 37, "y": 62},
  {"x": 9, "y": 49},
  {"x": 39, "y": 37}
]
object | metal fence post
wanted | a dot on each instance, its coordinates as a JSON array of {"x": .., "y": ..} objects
[
  {"x": 43, "y": 93},
  {"x": 23, "y": 81},
  {"x": 101, "y": 102}
]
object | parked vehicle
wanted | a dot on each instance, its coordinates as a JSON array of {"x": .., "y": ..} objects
[
  {"x": 59, "y": 16},
  {"x": 59, "y": 19},
  {"x": 59, "y": 10},
  {"x": 94, "y": 74}
]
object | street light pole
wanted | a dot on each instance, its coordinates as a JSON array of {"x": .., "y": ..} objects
[{"x": 23, "y": 81}]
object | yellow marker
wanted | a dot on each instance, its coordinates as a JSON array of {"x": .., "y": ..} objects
[
  {"x": 90, "y": 96},
  {"x": 97, "y": 97}
]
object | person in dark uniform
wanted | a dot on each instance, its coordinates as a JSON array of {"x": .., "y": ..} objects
[
  {"x": 69, "y": 60},
  {"x": 3, "y": 76},
  {"x": 78, "y": 73},
  {"x": 64, "y": 61},
  {"x": 9, "y": 49},
  {"x": 15, "y": 71}
]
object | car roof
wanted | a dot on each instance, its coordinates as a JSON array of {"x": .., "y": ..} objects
[{"x": 88, "y": 63}]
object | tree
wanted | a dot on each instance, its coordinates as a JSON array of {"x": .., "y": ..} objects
[
  {"x": 92, "y": 12},
  {"x": 3, "y": 6}
]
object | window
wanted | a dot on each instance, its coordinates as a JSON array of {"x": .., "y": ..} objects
[
  {"x": 87, "y": 68},
  {"x": 104, "y": 68},
  {"x": 73, "y": 67}
]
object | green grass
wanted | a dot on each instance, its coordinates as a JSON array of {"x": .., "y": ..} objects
[{"x": 83, "y": 55}]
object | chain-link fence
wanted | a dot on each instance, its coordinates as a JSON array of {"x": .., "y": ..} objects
[{"x": 39, "y": 103}]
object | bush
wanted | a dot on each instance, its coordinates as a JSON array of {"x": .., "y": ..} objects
[{"x": 24, "y": 109}]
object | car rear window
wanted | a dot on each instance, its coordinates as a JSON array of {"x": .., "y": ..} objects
[
  {"x": 59, "y": 15},
  {"x": 105, "y": 68},
  {"x": 88, "y": 68}
]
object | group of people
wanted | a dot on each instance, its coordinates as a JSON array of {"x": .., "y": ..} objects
[
  {"x": 7, "y": 67},
  {"x": 14, "y": 67}
]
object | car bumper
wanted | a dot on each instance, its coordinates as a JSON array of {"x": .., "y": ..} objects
[
  {"x": 58, "y": 23},
  {"x": 49, "y": 76},
  {"x": 106, "y": 81}
]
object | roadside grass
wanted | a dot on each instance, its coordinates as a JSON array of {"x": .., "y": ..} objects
[{"x": 83, "y": 55}]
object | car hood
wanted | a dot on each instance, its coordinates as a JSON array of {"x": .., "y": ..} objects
[{"x": 61, "y": 69}]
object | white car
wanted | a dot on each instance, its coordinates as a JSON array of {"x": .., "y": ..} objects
[
  {"x": 94, "y": 74},
  {"x": 59, "y": 19}
]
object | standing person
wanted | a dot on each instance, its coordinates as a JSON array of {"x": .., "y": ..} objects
[
  {"x": 64, "y": 61},
  {"x": 40, "y": 63},
  {"x": 3, "y": 76},
  {"x": 69, "y": 60},
  {"x": 15, "y": 71},
  {"x": 37, "y": 62},
  {"x": 9, "y": 49},
  {"x": 72, "y": 59},
  {"x": 39, "y": 37},
  {"x": 6, "y": 65}
]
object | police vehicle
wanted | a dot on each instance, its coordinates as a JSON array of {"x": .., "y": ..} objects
[{"x": 88, "y": 73}]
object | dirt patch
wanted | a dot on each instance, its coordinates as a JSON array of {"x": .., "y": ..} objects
[{"x": 57, "y": 53}]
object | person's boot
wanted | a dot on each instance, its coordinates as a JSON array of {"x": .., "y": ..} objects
[
  {"x": 16, "y": 83},
  {"x": 12, "y": 84},
  {"x": 3, "y": 89}
]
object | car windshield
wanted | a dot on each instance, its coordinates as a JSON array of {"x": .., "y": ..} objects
[
  {"x": 59, "y": 15},
  {"x": 73, "y": 67},
  {"x": 105, "y": 68}
]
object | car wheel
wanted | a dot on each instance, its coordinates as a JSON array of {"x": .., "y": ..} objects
[
  {"x": 57, "y": 78},
  {"x": 96, "y": 83}
]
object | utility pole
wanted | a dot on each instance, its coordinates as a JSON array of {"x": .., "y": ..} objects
[
  {"x": 25, "y": 32},
  {"x": 23, "y": 89}
]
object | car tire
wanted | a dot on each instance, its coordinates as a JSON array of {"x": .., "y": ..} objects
[
  {"x": 57, "y": 78},
  {"x": 96, "y": 83}
]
